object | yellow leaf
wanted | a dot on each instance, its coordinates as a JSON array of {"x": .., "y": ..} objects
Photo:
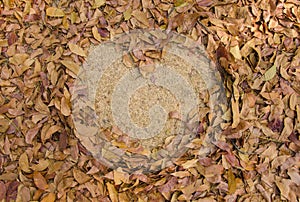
[
  {"x": 127, "y": 14},
  {"x": 72, "y": 66},
  {"x": 77, "y": 49},
  {"x": 96, "y": 34},
  {"x": 55, "y": 12},
  {"x": 65, "y": 22},
  {"x": 23, "y": 162},
  {"x": 270, "y": 73},
  {"x": 98, "y": 3},
  {"x": 73, "y": 17},
  {"x": 3, "y": 42},
  {"x": 231, "y": 182},
  {"x": 178, "y": 3},
  {"x": 27, "y": 7}
]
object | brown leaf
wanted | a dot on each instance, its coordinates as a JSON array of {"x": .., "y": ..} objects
[
  {"x": 23, "y": 162},
  {"x": 2, "y": 190},
  {"x": 65, "y": 107},
  {"x": 113, "y": 194},
  {"x": 80, "y": 176},
  {"x": 63, "y": 140},
  {"x": 31, "y": 133},
  {"x": 49, "y": 198},
  {"x": 41, "y": 165},
  {"x": 40, "y": 181},
  {"x": 141, "y": 16},
  {"x": 49, "y": 133}
]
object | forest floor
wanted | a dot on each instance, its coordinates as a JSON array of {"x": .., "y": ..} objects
[{"x": 255, "y": 48}]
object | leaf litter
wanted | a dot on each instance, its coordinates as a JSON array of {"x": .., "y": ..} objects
[{"x": 256, "y": 48}]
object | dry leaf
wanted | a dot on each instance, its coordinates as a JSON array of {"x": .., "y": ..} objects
[
  {"x": 65, "y": 107},
  {"x": 23, "y": 162},
  {"x": 270, "y": 73},
  {"x": 98, "y": 3},
  {"x": 141, "y": 16},
  {"x": 55, "y": 12},
  {"x": 235, "y": 51},
  {"x": 190, "y": 163},
  {"x": 77, "y": 49},
  {"x": 96, "y": 34},
  {"x": 231, "y": 182},
  {"x": 72, "y": 66},
  {"x": 50, "y": 132},
  {"x": 80, "y": 176},
  {"x": 40, "y": 181},
  {"x": 51, "y": 197},
  {"x": 113, "y": 194}
]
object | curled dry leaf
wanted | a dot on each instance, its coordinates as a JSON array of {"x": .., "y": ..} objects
[
  {"x": 96, "y": 34},
  {"x": 65, "y": 107}
]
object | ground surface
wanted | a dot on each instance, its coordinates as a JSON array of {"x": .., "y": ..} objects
[{"x": 255, "y": 46}]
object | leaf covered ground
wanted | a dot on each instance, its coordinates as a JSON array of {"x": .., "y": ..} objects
[{"x": 255, "y": 45}]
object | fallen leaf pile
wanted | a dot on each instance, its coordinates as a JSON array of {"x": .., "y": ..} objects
[{"x": 255, "y": 45}]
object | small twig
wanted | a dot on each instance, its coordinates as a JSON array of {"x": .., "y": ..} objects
[{"x": 271, "y": 139}]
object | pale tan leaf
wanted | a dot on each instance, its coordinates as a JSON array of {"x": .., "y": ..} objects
[
  {"x": 190, "y": 163},
  {"x": 23, "y": 162},
  {"x": 72, "y": 66},
  {"x": 77, "y": 49},
  {"x": 96, "y": 34},
  {"x": 65, "y": 107},
  {"x": 235, "y": 51},
  {"x": 98, "y": 3},
  {"x": 141, "y": 17},
  {"x": 235, "y": 113}
]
